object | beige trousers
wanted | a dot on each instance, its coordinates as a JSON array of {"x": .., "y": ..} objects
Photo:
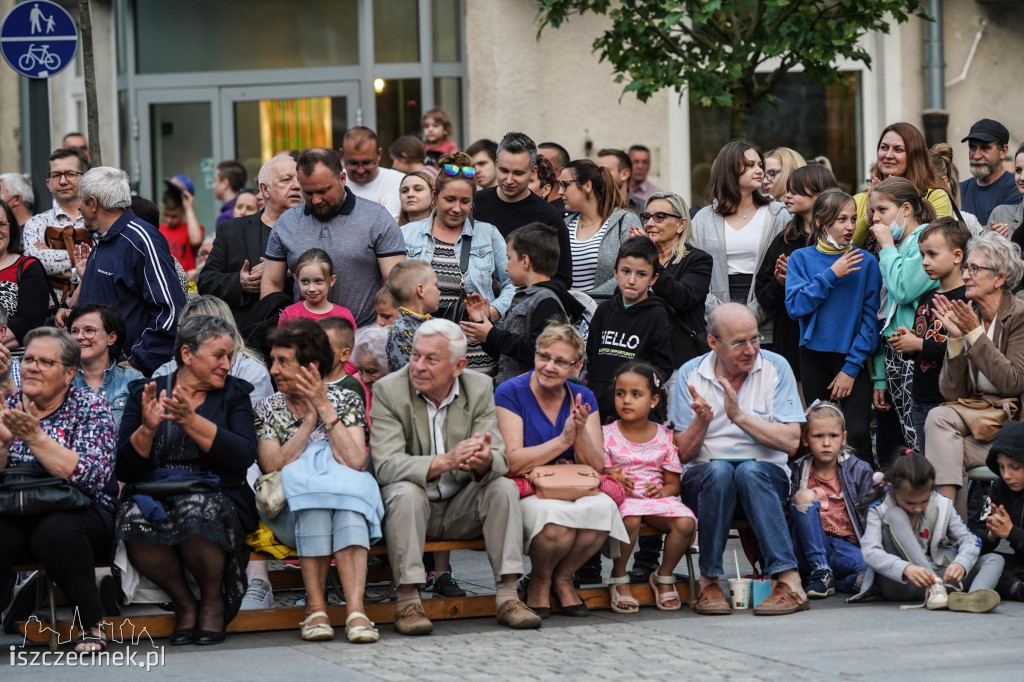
[
  {"x": 490, "y": 510},
  {"x": 952, "y": 451}
]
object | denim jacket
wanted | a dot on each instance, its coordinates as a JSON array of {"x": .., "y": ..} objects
[
  {"x": 114, "y": 388},
  {"x": 487, "y": 258}
]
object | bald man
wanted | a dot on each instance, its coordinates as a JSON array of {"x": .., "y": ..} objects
[{"x": 737, "y": 417}]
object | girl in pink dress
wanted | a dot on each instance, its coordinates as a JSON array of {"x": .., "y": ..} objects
[{"x": 641, "y": 455}]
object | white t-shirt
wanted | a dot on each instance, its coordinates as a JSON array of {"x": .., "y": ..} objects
[
  {"x": 381, "y": 190},
  {"x": 741, "y": 245},
  {"x": 983, "y": 383},
  {"x": 585, "y": 255}
]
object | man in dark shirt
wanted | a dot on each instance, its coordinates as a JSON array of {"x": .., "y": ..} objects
[
  {"x": 511, "y": 204},
  {"x": 992, "y": 185}
]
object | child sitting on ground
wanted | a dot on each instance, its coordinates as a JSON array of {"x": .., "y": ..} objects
[
  {"x": 314, "y": 273},
  {"x": 640, "y": 454},
  {"x": 829, "y": 483},
  {"x": 342, "y": 336},
  {"x": 913, "y": 535},
  {"x": 943, "y": 244},
  {"x": 532, "y": 262},
  {"x": 385, "y": 307},
  {"x": 1006, "y": 458},
  {"x": 413, "y": 283},
  {"x": 631, "y": 324}
]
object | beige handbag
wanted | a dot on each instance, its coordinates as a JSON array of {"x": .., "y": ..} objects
[
  {"x": 269, "y": 495},
  {"x": 567, "y": 482},
  {"x": 985, "y": 414}
]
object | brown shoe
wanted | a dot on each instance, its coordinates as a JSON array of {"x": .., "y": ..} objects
[
  {"x": 518, "y": 616},
  {"x": 413, "y": 621},
  {"x": 783, "y": 600},
  {"x": 712, "y": 601}
]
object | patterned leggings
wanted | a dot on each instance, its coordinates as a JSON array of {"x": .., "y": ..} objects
[{"x": 899, "y": 375}]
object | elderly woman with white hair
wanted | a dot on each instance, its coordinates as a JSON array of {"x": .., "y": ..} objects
[
  {"x": 984, "y": 360},
  {"x": 685, "y": 278}
]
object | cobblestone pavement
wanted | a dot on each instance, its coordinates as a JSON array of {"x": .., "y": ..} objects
[{"x": 833, "y": 640}]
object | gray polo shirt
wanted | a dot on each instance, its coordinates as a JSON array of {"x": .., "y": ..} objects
[{"x": 355, "y": 238}]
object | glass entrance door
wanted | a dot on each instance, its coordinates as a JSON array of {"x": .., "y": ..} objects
[
  {"x": 188, "y": 131},
  {"x": 262, "y": 121}
]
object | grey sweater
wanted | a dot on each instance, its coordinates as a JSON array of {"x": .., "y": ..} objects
[{"x": 709, "y": 235}]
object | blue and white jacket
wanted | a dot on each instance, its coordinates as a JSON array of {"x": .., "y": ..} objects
[{"x": 131, "y": 268}]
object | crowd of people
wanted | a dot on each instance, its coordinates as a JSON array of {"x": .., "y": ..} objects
[{"x": 361, "y": 353}]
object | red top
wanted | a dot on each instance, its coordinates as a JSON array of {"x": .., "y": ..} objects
[{"x": 177, "y": 242}]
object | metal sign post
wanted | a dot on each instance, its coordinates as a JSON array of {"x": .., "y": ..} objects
[{"x": 38, "y": 39}]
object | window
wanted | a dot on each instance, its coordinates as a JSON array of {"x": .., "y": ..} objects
[{"x": 812, "y": 118}]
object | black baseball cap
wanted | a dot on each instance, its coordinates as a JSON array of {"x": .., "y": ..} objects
[{"x": 987, "y": 130}]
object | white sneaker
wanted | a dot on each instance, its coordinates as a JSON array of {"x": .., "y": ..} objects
[
  {"x": 937, "y": 597},
  {"x": 258, "y": 596}
]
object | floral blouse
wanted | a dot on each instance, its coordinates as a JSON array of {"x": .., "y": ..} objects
[
  {"x": 274, "y": 421},
  {"x": 82, "y": 423}
]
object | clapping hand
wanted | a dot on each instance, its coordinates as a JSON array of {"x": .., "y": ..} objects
[
  {"x": 249, "y": 278},
  {"x": 152, "y": 409},
  {"x": 957, "y": 317},
  {"x": 177, "y": 407},
  {"x": 23, "y": 423},
  {"x": 311, "y": 386},
  {"x": 479, "y": 456},
  {"x": 476, "y": 307},
  {"x": 700, "y": 407},
  {"x": 781, "y": 267},
  {"x": 998, "y": 522},
  {"x": 576, "y": 423},
  {"x": 732, "y": 401},
  {"x": 905, "y": 341}
]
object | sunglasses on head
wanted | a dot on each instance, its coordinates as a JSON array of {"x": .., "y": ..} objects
[{"x": 467, "y": 171}]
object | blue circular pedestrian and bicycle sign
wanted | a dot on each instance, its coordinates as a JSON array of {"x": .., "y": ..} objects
[{"x": 38, "y": 38}]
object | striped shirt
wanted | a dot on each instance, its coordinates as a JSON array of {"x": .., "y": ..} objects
[
  {"x": 449, "y": 282},
  {"x": 584, "y": 255}
]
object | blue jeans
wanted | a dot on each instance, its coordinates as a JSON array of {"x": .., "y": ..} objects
[
  {"x": 918, "y": 415},
  {"x": 816, "y": 549},
  {"x": 713, "y": 488}
]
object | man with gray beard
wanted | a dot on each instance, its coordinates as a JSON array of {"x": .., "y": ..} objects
[{"x": 991, "y": 185}]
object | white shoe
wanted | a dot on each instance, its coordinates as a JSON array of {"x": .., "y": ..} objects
[
  {"x": 936, "y": 597},
  {"x": 258, "y": 596}
]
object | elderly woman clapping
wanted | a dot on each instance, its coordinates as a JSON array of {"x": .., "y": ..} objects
[
  {"x": 191, "y": 432},
  {"x": 67, "y": 433},
  {"x": 984, "y": 357},
  {"x": 337, "y": 511},
  {"x": 545, "y": 419}
]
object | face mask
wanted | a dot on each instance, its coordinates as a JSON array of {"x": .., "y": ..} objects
[
  {"x": 897, "y": 230},
  {"x": 832, "y": 242}
]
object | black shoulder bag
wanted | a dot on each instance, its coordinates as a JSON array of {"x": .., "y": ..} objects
[
  {"x": 456, "y": 310},
  {"x": 31, "y": 489}
]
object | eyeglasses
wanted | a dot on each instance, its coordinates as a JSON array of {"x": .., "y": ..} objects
[
  {"x": 57, "y": 175},
  {"x": 773, "y": 173},
  {"x": 41, "y": 363},
  {"x": 451, "y": 169},
  {"x": 559, "y": 362},
  {"x": 740, "y": 345},
  {"x": 361, "y": 164},
  {"x": 4, "y": 225},
  {"x": 85, "y": 332},
  {"x": 973, "y": 269},
  {"x": 658, "y": 217},
  {"x": 564, "y": 184}
]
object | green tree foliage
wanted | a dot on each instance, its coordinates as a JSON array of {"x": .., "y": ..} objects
[{"x": 729, "y": 53}]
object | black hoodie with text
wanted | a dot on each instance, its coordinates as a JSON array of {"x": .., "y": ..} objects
[{"x": 618, "y": 334}]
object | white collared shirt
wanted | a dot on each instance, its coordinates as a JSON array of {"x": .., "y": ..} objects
[
  {"x": 768, "y": 393},
  {"x": 437, "y": 416}
]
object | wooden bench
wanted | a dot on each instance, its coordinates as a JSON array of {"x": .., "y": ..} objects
[{"x": 289, "y": 617}]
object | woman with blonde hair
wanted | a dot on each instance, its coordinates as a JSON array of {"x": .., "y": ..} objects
[
  {"x": 685, "y": 278},
  {"x": 778, "y": 165}
]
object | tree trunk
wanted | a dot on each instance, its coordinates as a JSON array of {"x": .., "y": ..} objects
[
  {"x": 742, "y": 109},
  {"x": 89, "y": 76}
]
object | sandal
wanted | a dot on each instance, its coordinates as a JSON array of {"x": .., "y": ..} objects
[
  {"x": 620, "y": 603},
  {"x": 361, "y": 634},
  {"x": 320, "y": 632},
  {"x": 86, "y": 637},
  {"x": 663, "y": 598}
]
